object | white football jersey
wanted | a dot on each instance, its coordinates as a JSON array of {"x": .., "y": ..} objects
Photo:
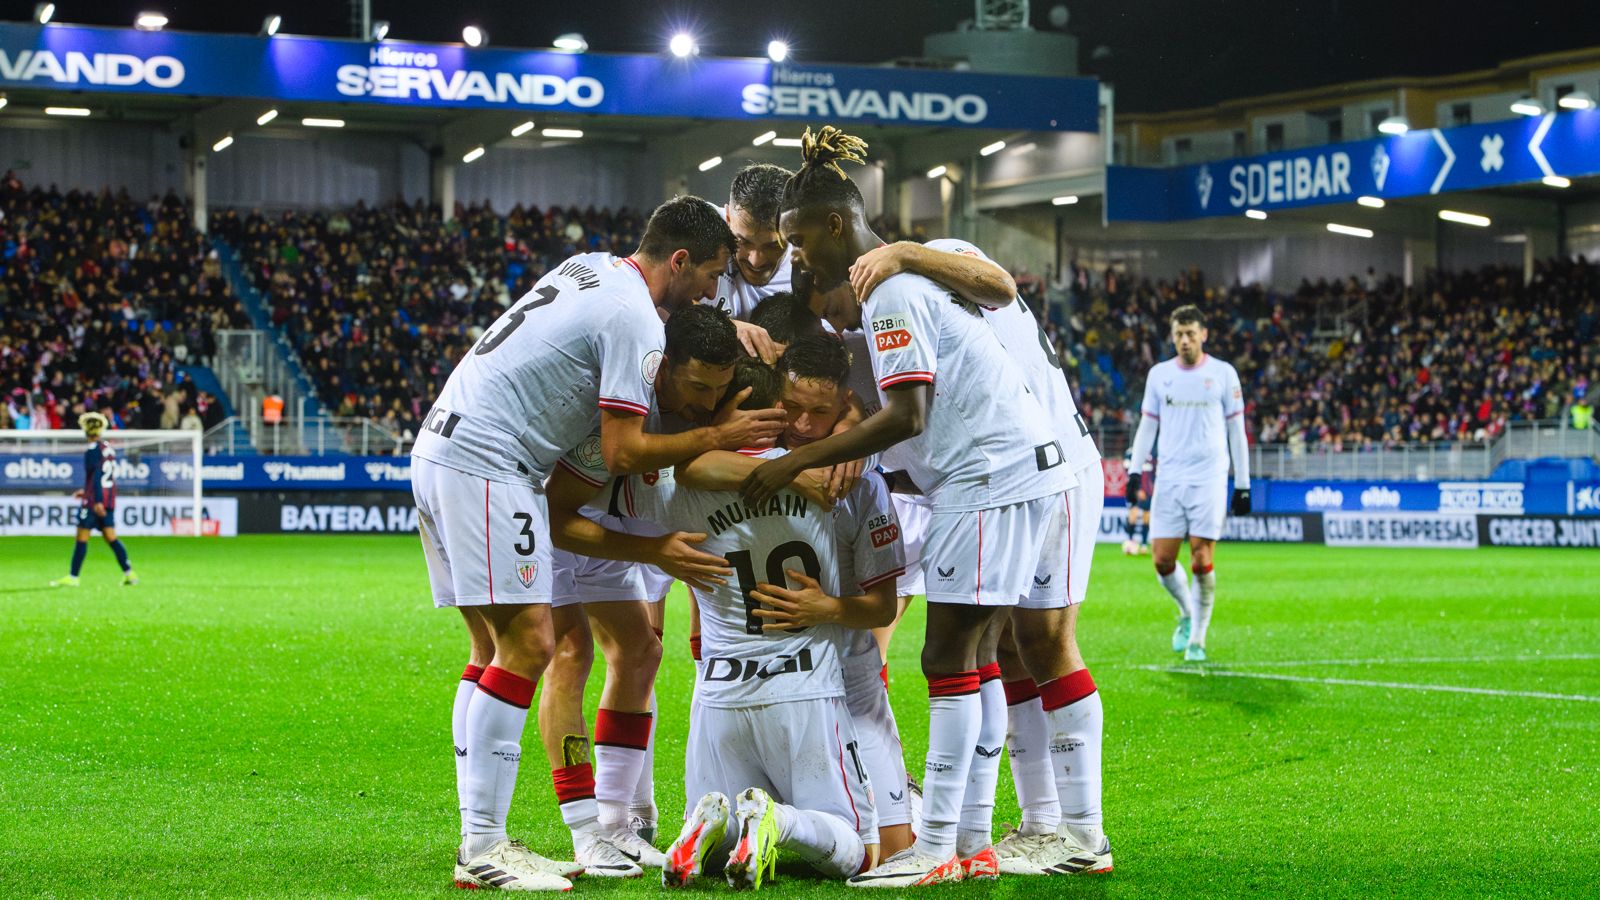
[
  {"x": 741, "y": 665},
  {"x": 987, "y": 441},
  {"x": 586, "y": 337},
  {"x": 869, "y": 547},
  {"x": 738, "y": 297},
  {"x": 1192, "y": 407},
  {"x": 1027, "y": 343}
]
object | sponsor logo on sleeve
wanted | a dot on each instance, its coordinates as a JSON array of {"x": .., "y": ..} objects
[
  {"x": 883, "y": 537},
  {"x": 891, "y": 333}
]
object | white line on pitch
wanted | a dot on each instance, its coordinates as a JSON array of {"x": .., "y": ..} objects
[
  {"x": 1353, "y": 682},
  {"x": 1414, "y": 660}
]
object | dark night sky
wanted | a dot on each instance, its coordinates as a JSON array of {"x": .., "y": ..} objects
[{"x": 1164, "y": 54}]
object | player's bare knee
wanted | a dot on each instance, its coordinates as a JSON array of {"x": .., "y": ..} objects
[{"x": 1166, "y": 567}]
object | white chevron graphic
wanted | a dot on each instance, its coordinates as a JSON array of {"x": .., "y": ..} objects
[
  {"x": 1538, "y": 138},
  {"x": 1449, "y": 160}
]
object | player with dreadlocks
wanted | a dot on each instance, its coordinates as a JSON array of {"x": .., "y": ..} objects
[{"x": 978, "y": 443}]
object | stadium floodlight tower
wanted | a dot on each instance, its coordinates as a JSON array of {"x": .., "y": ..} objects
[{"x": 1002, "y": 15}]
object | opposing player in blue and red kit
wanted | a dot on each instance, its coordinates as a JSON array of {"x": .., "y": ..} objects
[{"x": 98, "y": 498}]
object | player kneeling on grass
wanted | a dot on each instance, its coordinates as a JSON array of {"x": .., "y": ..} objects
[
  {"x": 98, "y": 499},
  {"x": 769, "y": 727}
]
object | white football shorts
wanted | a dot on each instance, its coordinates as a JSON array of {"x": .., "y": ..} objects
[
  {"x": 804, "y": 753},
  {"x": 1188, "y": 510},
  {"x": 1062, "y": 578},
  {"x": 485, "y": 542},
  {"x": 912, "y": 511},
  {"x": 879, "y": 736},
  {"x": 987, "y": 557}
]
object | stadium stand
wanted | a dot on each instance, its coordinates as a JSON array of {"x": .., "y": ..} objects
[
  {"x": 106, "y": 304},
  {"x": 381, "y": 302},
  {"x": 1456, "y": 359}
]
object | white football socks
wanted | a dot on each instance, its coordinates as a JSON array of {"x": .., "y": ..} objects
[
  {"x": 825, "y": 841},
  {"x": 1203, "y": 604},
  {"x": 1028, "y": 746},
  {"x": 493, "y": 729},
  {"x": 621, "y": 741},
  {"x": 977, "y": 805},
  {"x": 955, "y": 716},
  {"x": 1077, "y": 733},
  {"x": 465, "y": 689},
  {"x": 1179, "y": 589}
]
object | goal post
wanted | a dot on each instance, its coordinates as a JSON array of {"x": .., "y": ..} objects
[{"x": 165, "y": 464}]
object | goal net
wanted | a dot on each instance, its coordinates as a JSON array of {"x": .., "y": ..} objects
[{"x": 157, "y": 477}]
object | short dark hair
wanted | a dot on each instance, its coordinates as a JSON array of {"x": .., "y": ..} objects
[
  {"x": 685, "y": 223},
  {"x": 821, "y": 181},
  {"x": 783, "y": 317},
  {"x": 758, "y": 189},
  {"x": 701, "y": 332},
  {"x": 822, "y": 357},
  {"x": 1187, "y": 314},
  {"x": 762, "y": 379}
]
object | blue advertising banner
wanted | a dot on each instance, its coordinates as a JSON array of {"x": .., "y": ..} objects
[
  {"x": 402, "y": 74},
  {"x": 175, "y": 472},
  {"x": 1567, "y": 498},
  {"x": 1434, "y": 161}
]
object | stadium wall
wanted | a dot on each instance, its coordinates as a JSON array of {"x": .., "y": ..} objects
[
  {"x": 297, "y": 172},
  {"x": 1279, "y": 262},
  {"x": 144, "y": 159}
]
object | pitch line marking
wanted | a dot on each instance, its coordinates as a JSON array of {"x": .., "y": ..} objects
[
  {"x": 1415, "y": 660},
  {"x": 1356, "y": 682}
]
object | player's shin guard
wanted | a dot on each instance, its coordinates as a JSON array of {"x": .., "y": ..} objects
[
  {"x": 79, "y": 551},
  {"x": 621, "y": 741},
  {"x": 1028, "y": 745},
  {"x": 121, "y": 553},
  {"x": 1206, "y": 582},
  {"x": 827, "y": 842},
  {"x": 955, "y": 715},
  {"x": 1179, "y": 589},
  {"x": 1077, "y": 730},
  {"x": 977, "y": 805},
  {"x": 494, "y": 723}
]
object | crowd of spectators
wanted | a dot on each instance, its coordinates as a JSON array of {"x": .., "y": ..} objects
[
  {"x": 102, "y": 299},
  {"x": 381, "y": 302},
  {"x": 1357, "y": 363}
]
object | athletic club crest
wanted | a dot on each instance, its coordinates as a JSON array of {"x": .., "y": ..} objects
[
  {"x": 526, "y": 572},
  {"x": 650, "y": 365}
]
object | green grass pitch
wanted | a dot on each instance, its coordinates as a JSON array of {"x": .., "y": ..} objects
[{"x": 269, "y": 716}]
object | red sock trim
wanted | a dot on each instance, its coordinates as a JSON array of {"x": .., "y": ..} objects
[
  {"x": 694, "y": 646},
  {"x": 506, "y": 687},
  {"x": 959, "y": 684},
  {"x": 1170, "y": 569},
  {"x": 472, "y": 673},
  {"x": 883, "y": 676},
  {"x": 574, "y": 783},
  {"x": 1020, "y": 691},
  {"x": 1202, "y": 570},
  {"x": 866, "y": 861},
  {"x": 613, "y": 728},
  {"x": 1066, "y": 690},
  {"x": 988, "y": 672}
]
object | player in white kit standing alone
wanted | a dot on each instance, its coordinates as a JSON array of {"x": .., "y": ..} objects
[
  {"x": 515, "y": 403},
  {"x": 1194, "y": 407}
]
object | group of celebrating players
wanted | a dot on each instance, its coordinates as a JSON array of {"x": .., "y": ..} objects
[{"x": 807, "y": 427}]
